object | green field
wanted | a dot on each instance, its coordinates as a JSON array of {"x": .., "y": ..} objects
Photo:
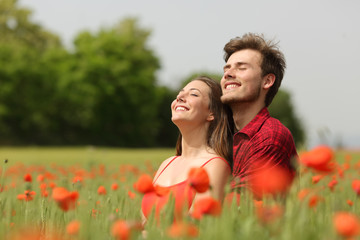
[
  {"x": 83, "y": 155},
  {"x": 42, "y": 218}
]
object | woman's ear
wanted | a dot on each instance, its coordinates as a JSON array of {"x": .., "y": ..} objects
[
  {"x": 269, "y": 80},
  {"x": 210, "y": 117}
]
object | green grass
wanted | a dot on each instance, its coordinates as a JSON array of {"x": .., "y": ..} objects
[
  {"x": 83, "y": 155},
  {"x": 97, "y": 213}
]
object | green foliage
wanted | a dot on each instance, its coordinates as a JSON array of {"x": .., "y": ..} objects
[
  {"x": 282, "y": 108},
  {"x": 16, "y": 27},
  {"x": 103, "y": 92},
  {"x": 112, "y": 84}
]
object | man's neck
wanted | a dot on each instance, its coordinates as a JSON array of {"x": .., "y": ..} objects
[{"x": 243, "y": 113}]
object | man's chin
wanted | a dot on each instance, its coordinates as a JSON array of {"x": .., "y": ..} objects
[{"x": 227, "y": 100}]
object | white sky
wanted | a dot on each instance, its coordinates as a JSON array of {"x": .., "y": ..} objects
[{"x": 320, "y": 40}]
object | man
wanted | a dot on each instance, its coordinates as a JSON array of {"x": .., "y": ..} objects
[{"x": 252, "y": 76}]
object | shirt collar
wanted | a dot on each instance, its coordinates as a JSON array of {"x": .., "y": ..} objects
[{"x": 254, "y": 125}]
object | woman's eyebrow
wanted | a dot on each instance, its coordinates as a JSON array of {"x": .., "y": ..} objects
[{"x": 195, "y": 89}]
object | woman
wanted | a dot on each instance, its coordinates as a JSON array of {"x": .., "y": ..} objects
[{"x": 205, "y": 126}]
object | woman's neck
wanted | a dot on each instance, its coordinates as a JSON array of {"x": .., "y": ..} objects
[{"x": 194, "y": 142}]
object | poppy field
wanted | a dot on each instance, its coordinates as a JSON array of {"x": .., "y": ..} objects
[{"x": 96, "y": 193}]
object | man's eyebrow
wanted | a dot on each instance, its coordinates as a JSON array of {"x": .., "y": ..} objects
[{"x": 237, "y": 64}]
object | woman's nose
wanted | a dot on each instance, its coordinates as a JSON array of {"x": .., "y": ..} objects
[{"x": 180, "y": 97}]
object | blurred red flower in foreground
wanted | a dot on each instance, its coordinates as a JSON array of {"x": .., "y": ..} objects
[
  {"x": 320, "y": 159},
  {"x": 232, "y": 196},
  {"x": 114, "y": 186},
  {"x": 101, "y": 190},
  {"x": 206, "y": 206},
  {"x": 303, "y": 193},
  {"x": 182, "y": 230},
  {"x": 144, "y": 184},
  {"x": 27, "y": 177},
  {"x": 332, "y": 184},
  {"x": 65, "y": 199},
  {"x": 346, "y": 224},
  {"x": 356, "y": 186},
  {"x": 73, "y": 227},
  {"x": 269, "y": 180},
  {"x": 315, "y": 179},
  {"x": 199, "y": 179},
  {"x": 314, "y": 200},
  {"x": 40, "y": 178},
  {"x": 27, "y": 196},
  {"x": 121, "y": 229},
  {"x": 267, "y": 214}
]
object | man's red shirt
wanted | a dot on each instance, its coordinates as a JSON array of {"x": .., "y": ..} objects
[{"x": 263, "y": 139}]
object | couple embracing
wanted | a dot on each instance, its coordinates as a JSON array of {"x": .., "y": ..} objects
[{"x": 226, "y": 128}]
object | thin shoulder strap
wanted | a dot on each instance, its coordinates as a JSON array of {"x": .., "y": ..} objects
[
  {"x": 213, "y": 159},
  {"x": 165, "y": 167}
]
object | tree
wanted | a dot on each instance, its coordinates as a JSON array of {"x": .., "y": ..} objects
[
  {"x": 25, "y": 92},
  {"x": 112, "y": 86},
  {"x": 104, "y": 92},
  {"x": 282, "y": 108}
]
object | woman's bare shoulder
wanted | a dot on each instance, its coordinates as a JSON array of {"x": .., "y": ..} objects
[
  {"x": 215, "y": 161},
  {"x": 163, "y": 165}
]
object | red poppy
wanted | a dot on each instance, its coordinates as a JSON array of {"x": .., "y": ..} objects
[
  {"x": 356, "y": 186},
  {"x": 231, "y": 197},
  {"x": 43, "y": 186},
  {"x": 206, "y": 206},
  {"x": 27, "y": 196},
  {"x": 114, "y": 186},
  {"x": 40, "y": 178},
  {"x": 199, "y": 179},
  {"x": 161, "y": 191},
  {"x": 332, "y": 184},
  {"x": 267, "y": 214},
  {"x": 27, "y": 177},
  {"x": 101, "y": 190},
  {"x": 144, "y": 184},
  {"x": 65, "y": 199},
  {"x": 182, "y": 230},
  {"x": 73, "y": 227},
  {"x": 269, "y": 180},
  {"x": 44, "y": 193},
  {"x": 77, "y": 179},
  {"x": 315, "y": 179},
  {"x": 131, "y": 195},
  {"x": 320, "y": 159},
  {"x": 314, "y": 200},
  {"x": 346, "y": 224},
  {"x": 349, "y": 202},
  {"x": 120, "y": 230}
]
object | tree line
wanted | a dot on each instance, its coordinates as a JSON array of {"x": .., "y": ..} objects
[{"x": 104, "y": 91}]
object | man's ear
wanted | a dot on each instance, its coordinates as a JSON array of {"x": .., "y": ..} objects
[{"x": 269, "y": 80}]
